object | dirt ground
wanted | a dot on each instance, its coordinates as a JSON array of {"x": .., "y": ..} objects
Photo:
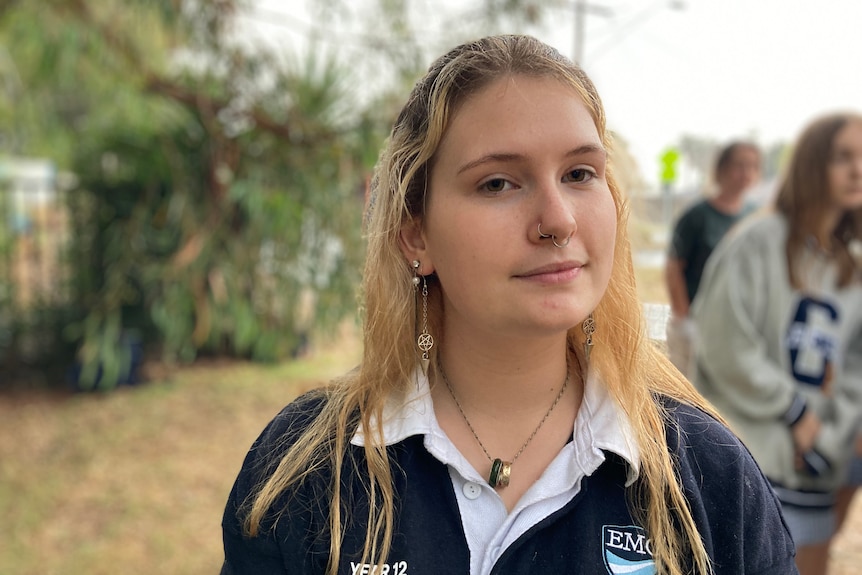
[{"x": 847, "y": 552}]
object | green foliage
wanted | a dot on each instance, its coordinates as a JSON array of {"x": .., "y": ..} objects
[
  {"x": 7, "y": 288},
  {"x": 220, "y": 189},
  {"x": 219, "y": 192}
]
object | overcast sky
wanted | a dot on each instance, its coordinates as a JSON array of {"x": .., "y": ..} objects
[
  {"x": 728, "y": 68},
  {"x": 713, "y": 68}
]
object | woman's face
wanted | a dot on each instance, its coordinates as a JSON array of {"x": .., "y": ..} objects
[
  {"x": 522, "y": 152},
  {"x": 845, "y": 168},
  {"x": 742, "y": 170}
]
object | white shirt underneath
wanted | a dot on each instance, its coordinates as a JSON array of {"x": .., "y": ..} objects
[{"x": 489, "y": 528}]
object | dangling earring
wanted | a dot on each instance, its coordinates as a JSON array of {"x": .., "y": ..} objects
[
  {"x": 589, "y": 328},
  {"x": 424, "y": 341}
]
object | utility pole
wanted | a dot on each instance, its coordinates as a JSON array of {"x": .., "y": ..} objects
[
  {"x": 580, "y": 29},
  {"x": 581, "y": 9}
]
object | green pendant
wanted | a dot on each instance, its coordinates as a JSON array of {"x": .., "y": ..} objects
[
  {"x": 496, "y": 467},
  {"x": 501, "y": 472}
]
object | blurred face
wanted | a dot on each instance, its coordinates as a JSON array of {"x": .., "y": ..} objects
[
  {"x": 845, "y": 168},
  {"x": 741, "y": 172},
  {"x": 522, "y": 152}
]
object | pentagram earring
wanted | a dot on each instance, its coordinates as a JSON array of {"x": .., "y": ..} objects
[{"x": 424, "y": 341}]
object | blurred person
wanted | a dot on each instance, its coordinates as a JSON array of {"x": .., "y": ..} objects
[
  {"x": 779, "y": 317},
  {"x": 696, "y": 234},
  {"x": 509, "y": 413}
]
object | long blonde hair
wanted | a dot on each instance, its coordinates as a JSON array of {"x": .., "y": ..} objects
[{"x": 635, "y": 371}]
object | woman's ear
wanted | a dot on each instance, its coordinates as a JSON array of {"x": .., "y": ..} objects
[{"x": 411, "y": 240}]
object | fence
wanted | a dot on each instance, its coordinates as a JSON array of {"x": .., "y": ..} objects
[{"x": 34, "y": 274}]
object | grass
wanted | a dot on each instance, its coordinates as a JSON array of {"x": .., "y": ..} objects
[{"x": 135, "y": 481}]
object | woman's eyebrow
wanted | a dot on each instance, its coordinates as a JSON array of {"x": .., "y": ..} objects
[
  {"x": 505, "y": 157},
  {"x": 497, "y": 157},
  {"x": 588, "y": 149}
]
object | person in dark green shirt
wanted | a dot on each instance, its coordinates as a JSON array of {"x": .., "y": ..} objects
[{"x": 696, "y": 234}]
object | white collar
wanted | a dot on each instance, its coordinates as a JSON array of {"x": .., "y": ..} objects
[{"x": 601, "y": 423}]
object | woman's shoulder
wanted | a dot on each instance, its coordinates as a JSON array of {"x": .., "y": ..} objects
[
  {"x": 712, "y": 461},
  {"x": 275, "y": 440},
  {"x": 768, "y": 228},
  {"x": 285, "y": 428},
  {"x": 698, "y": 436},
  {"x": 693, "y": 425},
  {"x": 731, "y": 500},
  {"x": 297, "y": 415},
  {"x": 756, "y": 241},
  {"x": 278, "y": 436},
  {"x": 303, "y": 506}
]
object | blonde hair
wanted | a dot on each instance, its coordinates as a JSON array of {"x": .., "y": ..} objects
[
  {"x": 803, "y": 198},
  {"x": 636, "y": 373}
]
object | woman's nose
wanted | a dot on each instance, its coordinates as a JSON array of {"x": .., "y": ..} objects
[{"x": 555, "y": 215}]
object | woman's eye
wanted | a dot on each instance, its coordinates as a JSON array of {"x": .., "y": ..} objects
[
  {"x": 841, "y": 157},
  {"x": 579, "y": 175},
  {"x": 496, "y": 185}
]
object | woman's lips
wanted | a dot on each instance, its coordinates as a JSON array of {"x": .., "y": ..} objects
[{"x": 553, "y": 273}]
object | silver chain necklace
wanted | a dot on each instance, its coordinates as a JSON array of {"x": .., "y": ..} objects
[{"x": 501, "y": 471}]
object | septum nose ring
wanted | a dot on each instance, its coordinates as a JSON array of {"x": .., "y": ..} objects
[{"x": 553, "y": 237}]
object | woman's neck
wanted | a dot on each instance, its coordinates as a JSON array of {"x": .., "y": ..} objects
[
  {"x": 517, "y": 403},
  {"x": 505, "y": 376},
  {"x": 820, "y": 232},
  {"x": 728, "y": 202},
  {"x": 825, "y": 232}
]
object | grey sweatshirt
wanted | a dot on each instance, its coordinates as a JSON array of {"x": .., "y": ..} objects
[{"x": 767, "y": 352}]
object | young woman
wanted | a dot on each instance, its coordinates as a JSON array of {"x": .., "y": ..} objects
[
  {"x": 509, "y": 414},
  {"x": 779, "y": 316},
  {"x": 695, "y": 236}
]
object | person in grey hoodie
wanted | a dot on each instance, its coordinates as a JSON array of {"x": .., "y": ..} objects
[{"x": 779, "y": 316}]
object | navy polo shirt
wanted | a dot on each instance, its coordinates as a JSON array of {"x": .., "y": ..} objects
[
  {"x": 595, "y": 533},
  {"x": 489, "y": 527}
]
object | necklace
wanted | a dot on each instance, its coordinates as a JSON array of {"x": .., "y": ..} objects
[{"x": 501, "y": 471}]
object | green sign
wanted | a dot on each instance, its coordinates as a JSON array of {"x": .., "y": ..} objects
[{"x": 669, "y": 159}]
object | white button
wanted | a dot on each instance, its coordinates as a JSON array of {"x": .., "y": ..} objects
[{"x": 472, "y": 490}]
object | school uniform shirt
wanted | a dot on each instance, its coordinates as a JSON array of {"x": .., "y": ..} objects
[
  {"x": 576, "y": 519},
  {"x": 768, "y": 352}
]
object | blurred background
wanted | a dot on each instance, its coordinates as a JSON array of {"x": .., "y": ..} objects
[{"x": 181, "y": 190}]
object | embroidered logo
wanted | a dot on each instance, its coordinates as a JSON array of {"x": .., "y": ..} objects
[{"x": 626, "y": 550}]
